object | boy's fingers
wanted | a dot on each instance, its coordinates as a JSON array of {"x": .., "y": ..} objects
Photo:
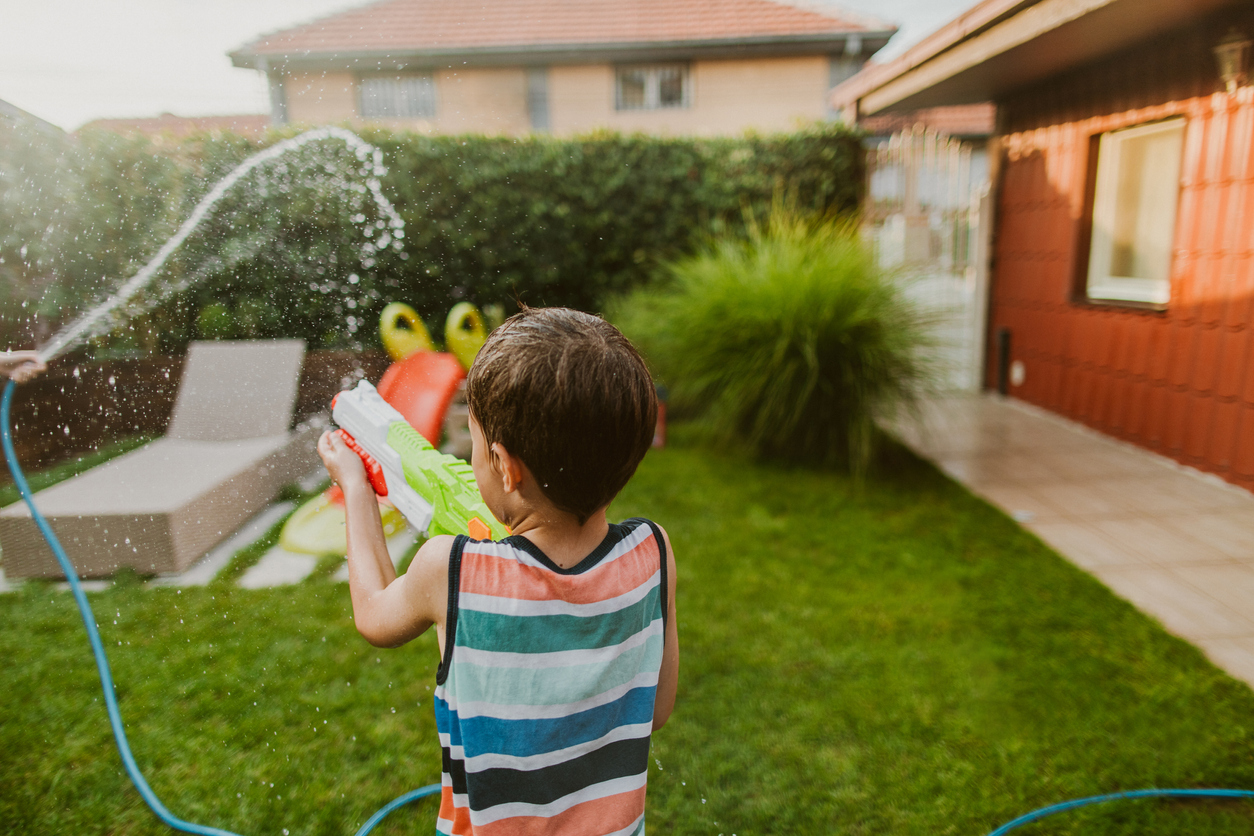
[{"x": 326, "y": 445}]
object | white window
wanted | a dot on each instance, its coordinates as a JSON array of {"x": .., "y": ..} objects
[
  {"x": 398, "y": 97},
  {"x": 652, "y": 87},
  {"x": 1134, "y": 213}
]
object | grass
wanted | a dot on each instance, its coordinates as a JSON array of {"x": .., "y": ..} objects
[
  {"x": 71, "y": 467},
  {"x": 894, "y": 657}
]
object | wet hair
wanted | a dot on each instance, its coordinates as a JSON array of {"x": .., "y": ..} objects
[{"x": 570, "y": 396}]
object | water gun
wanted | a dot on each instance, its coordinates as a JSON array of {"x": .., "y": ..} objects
[{"x": 435, "y": 492}]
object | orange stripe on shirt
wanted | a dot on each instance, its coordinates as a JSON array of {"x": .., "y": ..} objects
[
  {"x": 600, "y": 815},
  {"x": 459, "y": 816},
  {"x": 485, "y": 574}
]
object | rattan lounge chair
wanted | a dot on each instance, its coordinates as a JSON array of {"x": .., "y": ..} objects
[{"x": 228, "y": 450}]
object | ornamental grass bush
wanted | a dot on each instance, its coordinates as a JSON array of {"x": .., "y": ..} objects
[{"x": 791, "y": 340}]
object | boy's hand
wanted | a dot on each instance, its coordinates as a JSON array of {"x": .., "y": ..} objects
[{"x": 343, "y": 464}]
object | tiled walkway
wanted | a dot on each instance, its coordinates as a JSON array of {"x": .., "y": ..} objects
[{"x": 1176, "y": 543}]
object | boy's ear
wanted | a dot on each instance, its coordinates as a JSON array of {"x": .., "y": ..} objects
[{"x": 510, "y": 467}]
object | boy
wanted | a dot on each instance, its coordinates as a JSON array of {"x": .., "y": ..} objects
[{"x": 559, "y": 649}]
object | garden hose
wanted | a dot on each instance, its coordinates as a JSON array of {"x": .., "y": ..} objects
[
  {"x": 1116, "y": 796},
  {"x": 102, "y": 663},
  {"x": 132, "y": 770}
]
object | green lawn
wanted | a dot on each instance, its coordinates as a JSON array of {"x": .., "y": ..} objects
[{"x": 894, "y": 659}]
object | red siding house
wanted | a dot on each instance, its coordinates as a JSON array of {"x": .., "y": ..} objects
[{"x": 1122, "y": 291}]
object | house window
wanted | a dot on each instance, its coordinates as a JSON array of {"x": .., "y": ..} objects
[
  {"x": 398, "y": 97},
  {"x": 652, "y": 87},
  {"x": 1135, "y": 194}
]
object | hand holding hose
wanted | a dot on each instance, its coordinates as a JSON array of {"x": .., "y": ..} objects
[{"x": 21, "y": 365}]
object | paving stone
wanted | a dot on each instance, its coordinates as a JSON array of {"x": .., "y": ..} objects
[
  {"x": 99, "y": 585},
  {"x": 398, "y": 544},
  {"x": 278, "y": 567}
]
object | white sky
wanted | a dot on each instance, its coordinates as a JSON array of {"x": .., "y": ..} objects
[{"x": 71, "y": 61}]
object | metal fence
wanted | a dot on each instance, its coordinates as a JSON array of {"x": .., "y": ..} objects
[{"x": 928, "y": 213}]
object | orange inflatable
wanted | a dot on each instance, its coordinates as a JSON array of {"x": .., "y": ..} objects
[{"x": 421, "y": 387}]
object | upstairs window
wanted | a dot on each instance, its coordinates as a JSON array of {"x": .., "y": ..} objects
[
  {"x": 652, "y": 87},
  {"x": 1136, "y": 190},
  {"x": 398, "y": 97}
]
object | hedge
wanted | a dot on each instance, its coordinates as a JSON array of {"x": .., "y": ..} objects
[{"x": 540, "y": 220}]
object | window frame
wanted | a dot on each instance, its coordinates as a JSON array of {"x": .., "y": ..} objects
[
  {"x": 652, "y": 90},
  {"x": 362, "y": 95},
  {"x": 1100, "y": 204}
]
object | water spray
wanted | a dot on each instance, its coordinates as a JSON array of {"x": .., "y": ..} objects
[
  {"x": 371, "y": 159},
  {"x": 368, "y": 155}
]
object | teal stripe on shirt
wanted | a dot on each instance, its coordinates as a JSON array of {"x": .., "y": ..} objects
[{"x": 548, "y": 633}]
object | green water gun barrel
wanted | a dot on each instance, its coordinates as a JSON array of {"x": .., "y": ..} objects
[{"x": 448, "y": 483}]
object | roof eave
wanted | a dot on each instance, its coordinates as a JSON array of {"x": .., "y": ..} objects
[
  {"x": 1002, "y": 45},
  {"x": 772, "y": 45}
]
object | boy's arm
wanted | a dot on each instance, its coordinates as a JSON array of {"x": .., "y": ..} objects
[
  {"x": 387, "y": 610},
  {"x": 668, "y": 676}
]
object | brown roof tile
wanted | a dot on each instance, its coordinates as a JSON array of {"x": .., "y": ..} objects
[
  {"x": 956, "y": 120},
  {"x": 247, "y": 124},
  {"x": 443, "y": 25}
]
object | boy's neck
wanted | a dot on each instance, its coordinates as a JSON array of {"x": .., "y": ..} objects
[{"x": 560, "y": 536}]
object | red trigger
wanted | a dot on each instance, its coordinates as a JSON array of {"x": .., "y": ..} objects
[{"x": 374, "y": 471}]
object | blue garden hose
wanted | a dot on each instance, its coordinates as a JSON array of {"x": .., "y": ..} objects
[
  {"x": 1097, "y": 799},
  {"x": 102, "y": 663},
  {"x": 124, "y": 748}
]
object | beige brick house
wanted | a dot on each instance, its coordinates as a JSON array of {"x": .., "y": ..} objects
[{"x": 684, "y": 67}]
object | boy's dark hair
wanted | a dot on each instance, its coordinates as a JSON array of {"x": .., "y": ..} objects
[{"x": 568, "y": 394}]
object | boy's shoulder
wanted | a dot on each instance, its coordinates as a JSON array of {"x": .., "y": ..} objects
[{"x": 426, "y": 577}]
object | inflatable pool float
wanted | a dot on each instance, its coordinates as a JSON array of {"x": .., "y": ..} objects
[
  {"x": 317, "y": 527},
  {"x": 402, "y": 332},
  {"x": 464, "y": 333}
]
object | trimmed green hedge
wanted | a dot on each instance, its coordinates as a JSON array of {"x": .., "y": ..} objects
[{"x": 488, "y": 219}]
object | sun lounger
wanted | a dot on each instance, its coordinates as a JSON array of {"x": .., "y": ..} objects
[{"x": 228, "y": 450}]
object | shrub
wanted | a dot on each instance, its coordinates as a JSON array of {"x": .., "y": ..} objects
[{"x": 793, "y": 340}]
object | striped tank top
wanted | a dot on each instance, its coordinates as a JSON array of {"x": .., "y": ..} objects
[{"x": 544, "y": 704}]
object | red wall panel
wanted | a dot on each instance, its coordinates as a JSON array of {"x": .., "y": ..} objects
[{"x": 1181, "y": 380}]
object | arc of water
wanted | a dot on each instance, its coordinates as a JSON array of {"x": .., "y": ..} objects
[{"x": 70, "y": 335}]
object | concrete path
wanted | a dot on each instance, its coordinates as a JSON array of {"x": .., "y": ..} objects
[
  {"x": 1177, "y": 543},
  {"x": 278, "y": 567},
  {"x": 398, "y": 544}
]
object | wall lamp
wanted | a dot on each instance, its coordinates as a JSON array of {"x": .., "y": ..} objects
[{"x": 1232, "y": 54}]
